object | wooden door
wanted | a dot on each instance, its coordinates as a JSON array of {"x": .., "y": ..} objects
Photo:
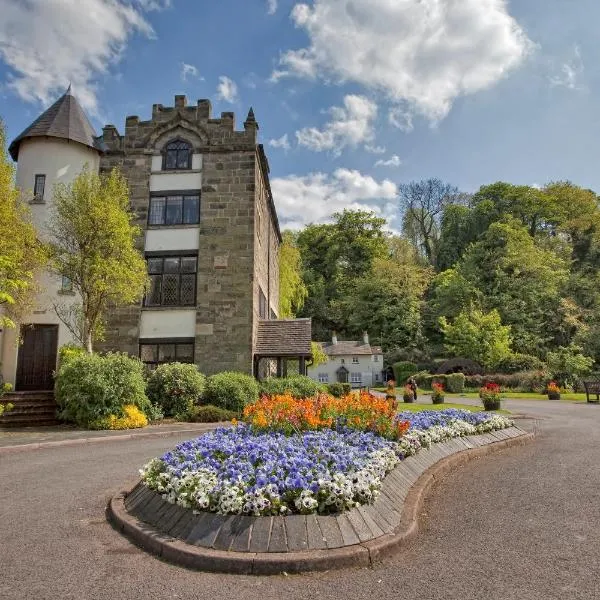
[{"x": 37, "y": 357}]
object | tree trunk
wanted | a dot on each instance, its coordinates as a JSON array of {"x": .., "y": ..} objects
[{"x": 87, "y": 337}]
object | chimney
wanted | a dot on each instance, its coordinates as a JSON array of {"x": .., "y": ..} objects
[
  {"x": 334, "y": 338},
  {"x": 365, "y": 338}
]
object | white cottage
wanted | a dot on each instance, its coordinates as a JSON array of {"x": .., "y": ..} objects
[{"x": 354, "y": 362}]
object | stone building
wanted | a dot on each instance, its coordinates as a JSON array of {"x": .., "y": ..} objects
[
  {"x": 355, "y": 362},
  {"x": 201, "y": 193}
]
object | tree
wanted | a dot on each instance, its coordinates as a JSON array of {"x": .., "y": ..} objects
[
  {"x": 292, "y": 290},
  {"x": 424, "y": 203},
  {"x": 93, "y": 244},
  {"x": 568, "y": 364},
  {"x": 21, "y": 254},
  {"x": 479, "y": 336},
  {"x": 318, "y": 355}
]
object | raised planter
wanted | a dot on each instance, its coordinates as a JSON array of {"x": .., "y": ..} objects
[
  {"x": 491, "y": 404},
  {"x": 553, "y": 395},
  {"x": 297, "y": 543}
]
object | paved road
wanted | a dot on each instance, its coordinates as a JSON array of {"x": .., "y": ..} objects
[{"x": 523, "y": 524}]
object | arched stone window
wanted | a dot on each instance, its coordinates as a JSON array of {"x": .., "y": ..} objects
[{"x": 177, "y": 155}]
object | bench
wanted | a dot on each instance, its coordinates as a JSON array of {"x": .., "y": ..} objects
[{"x": 592, "y": 388}]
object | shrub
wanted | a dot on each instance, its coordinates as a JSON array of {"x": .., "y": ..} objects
[
  {"x": 568, "y": 365},
  {"x": 209, "y": 414},
  {"x": 175, "y": 387},
  {"x": 69, "y": 351},
  {"x": 455, "y": 383},
  {"x": 527, "y": 381},
  {"x": 516, "y": 363},
  {"x": 403, "y": 370},
  {"x": 90, "y": 387},
  {"x": 299, "y": 386},
  {"x": 231, "y": 390},
  {"x": 133, "y": 418},
  {"x": 339, "y": 389},
  {"x": 426, "y": 380}
]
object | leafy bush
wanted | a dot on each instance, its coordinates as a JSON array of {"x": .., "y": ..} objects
[
  {"x": 568, "y": 365},
  {"x": 68, "y": 351},
  {"x": 455, "y": 383},
  {"x": 516, "y": 363},
  {"x": 527, "y": 381},
  {"x": 298, "y": 386},
  {"x": 339, "y": 389},
  {"x": 403, "y": 370},
  {"x": 426, "y": 380},
  {"x": 90, "y": 387},
  {"x": 209, "y": 414},
  {"x": 231, "y": 390},
  {"x": 175, "y": 387},
  {"x": 133, "y": 418}
]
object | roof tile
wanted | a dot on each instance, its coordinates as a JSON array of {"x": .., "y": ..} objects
[{"x": 284, "y": 337}]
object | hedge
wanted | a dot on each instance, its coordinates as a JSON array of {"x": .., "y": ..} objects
[
  {"x": 231, "y": 390},
  {"x": 403, "y": 370},
  {"x": 526, "y": 381},
  {"x": 339, "y": 389}
]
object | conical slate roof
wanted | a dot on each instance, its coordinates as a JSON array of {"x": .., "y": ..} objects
[{"x": 65, "y": 119}]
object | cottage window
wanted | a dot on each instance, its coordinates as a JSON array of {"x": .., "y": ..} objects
[
  {"x": 355, "y": 360},
  {"x": 174, "y": 209},
  {"x": 66, "y": 285},
  {"x": 38, "y": 188},
  {"x": 172, "y": 281},
  {"x": 323, "y": 378},
  {"x": 177, "y": 155},
  {"x": 355, "y": 377},
  {"x": 158, "y": 352}
]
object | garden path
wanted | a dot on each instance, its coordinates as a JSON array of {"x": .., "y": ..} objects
[{"x": 521, "y": 524}]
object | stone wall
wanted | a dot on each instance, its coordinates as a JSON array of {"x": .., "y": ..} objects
[{"x": 228, "y": 264}]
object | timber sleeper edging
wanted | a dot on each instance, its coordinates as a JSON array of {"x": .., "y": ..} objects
[{"x": 297, "y": 543}]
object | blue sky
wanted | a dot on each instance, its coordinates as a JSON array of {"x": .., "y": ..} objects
[{"x": 353, "y": 97}]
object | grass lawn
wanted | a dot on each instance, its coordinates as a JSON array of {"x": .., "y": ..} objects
[
  {"x": 417, "y": 407},
  {"x": 569, "y": 397}
]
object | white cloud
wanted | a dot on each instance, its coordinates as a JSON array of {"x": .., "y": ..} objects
[
  {"x": 314, "y": 198},
  {"x": 425, "y": 53},
  {"x": 227, "y": 90},
  {"x": 402, "y": 118},
  {"x": 375, "y": 149},
  {"x": 281, "y": 142},
  {"x": 48, "y": 43},
  {"x": 393, "y": 161},
  {"x": 189, "y": 71},
  {"x": 570, "y": 72},
  {"x": 271, "y": 7},
  {"x": 349, "y": 126}
]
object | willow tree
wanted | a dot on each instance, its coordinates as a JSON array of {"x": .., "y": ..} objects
[
  {"x": 20, "y": 252},
  {"x": 292, "y": 290},
  {"x": 93, "y": 244}
]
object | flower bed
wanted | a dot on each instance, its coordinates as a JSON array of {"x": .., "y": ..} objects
[{"x": 249, "y": 469}]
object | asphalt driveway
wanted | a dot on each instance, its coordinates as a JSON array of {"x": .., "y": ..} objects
[{"x": 521, "y": 524}]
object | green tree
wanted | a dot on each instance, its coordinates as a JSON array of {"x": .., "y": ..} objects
[
  {"x": 93, "y": 244},
  {"x": 318, "y": 355},
  {"x": 292, "y": 290},
  {"x": 479, "y": 336},
  {"x": 568, "y": 364},
  {"x": 21, "y": 254}
]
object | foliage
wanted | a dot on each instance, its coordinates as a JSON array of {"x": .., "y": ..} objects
[
  {"x": 478, "y": 336},
  {"x": 339, "y": 389},
  {"x": 299, "y": 386},
  {"x": 455, "y": 383},
  {"x": 175, "y": 387},
  {"x": 318, "y": 355},
  {"x": 568, "y": 364},
  {"x": 231, "y": 390},
  {"x": 517, "y": 362},
  {"x": 21, "y": 254},
  {"x": 403, "y": 370},
  {"x": 209, "y": 414},
  {"x": 292, "y": 290},
  {"x": 93, "y": 244},
  {"x": 90, "y": 387},
  {"x": 133, "y": 418},
  {"x": 69, "y": 351},
  {"x": 437, "y": 393}
]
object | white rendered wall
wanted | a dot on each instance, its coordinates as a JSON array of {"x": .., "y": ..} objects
[
  {"x": 366, "y": 366},
  {"x": 179, "y": 238},
  {"x": 162, "y": 181},
  {"x": 61, "y": 161},
  {"x": 166, "y": 323}
]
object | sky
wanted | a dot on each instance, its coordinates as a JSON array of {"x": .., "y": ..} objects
[{"x": 353, "y": 97}]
